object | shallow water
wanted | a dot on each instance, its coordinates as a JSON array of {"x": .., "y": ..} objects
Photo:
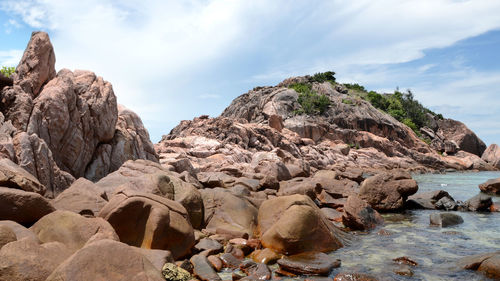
[{"x": 435, "y": 249}]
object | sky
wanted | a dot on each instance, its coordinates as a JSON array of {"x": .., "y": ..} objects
[{"x": 175, "y": 60}]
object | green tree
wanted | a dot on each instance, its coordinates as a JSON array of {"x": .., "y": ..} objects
[
  {"x": 324, "y": 77},
  {"x": 7, "y": 71}
]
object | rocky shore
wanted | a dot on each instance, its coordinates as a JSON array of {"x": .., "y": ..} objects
[{"x": 258, "y": 193}]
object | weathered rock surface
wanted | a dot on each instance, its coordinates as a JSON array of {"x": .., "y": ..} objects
[
  {"x": 23, "y": 207},
  {"x": 72, "y": 230},
  {"x": 359, "y": 215},
  {"x": 491, "y": 186},
  {"x": 144, "y": 220},
  {"x": 294, "y": 224},
  {"x": 106, "y": 260},
  {"x": 228, "y": 213},
  {"x": 492, "y": 155},
  {"x": 459, "y": 133},
  {"x": 202, "y": 269},
  {"x": 388, "y": 191},
  {"x": 26, "y": 259},
  {"x": 19, "y": 230},
  {"x": 478, "y": 203},
  {"x": 7, "y": 235},
  {"x": 430, "y": 199},
  {"x": 82, "y": 197},
  {"x": 171, "y": 272},
  {"x": 13, "y": 176}
]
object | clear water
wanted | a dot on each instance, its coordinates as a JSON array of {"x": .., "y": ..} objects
[{"x": 435, "y": 249}]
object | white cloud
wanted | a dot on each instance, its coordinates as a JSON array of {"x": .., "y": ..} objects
[
  {"x": 154, "y": 50},
  {"x": 10, "y": 57}
]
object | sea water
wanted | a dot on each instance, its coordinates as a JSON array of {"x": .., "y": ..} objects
[{"x": 435, "y": 249}]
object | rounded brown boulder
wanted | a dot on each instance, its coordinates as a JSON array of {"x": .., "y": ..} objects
[
  {"x": 388, "y": 191},
  {"x": 23, "y": 207},
  {"x": 106, "y": 260},
  {"x": 71, "y": 229},
  {"x": 294, "y": 224},
  {"x": 359, "y": 215},
  {"x": 491, "y": 186},
  {"x": 150, "y": 221},
  {"x": 82, "y": 197}
]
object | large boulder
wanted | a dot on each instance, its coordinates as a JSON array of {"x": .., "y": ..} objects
[
  {"x": 26, "y": 259},
  {"x": 491, "y": 186},
  {"x": 13, "y": 176},
  {"x": 73, "y": 230},
  {"x": 388, "y": 191},
  {"x": 20, "y": 231},
  {"x": 294, "y": 224},
  {"x": 492, "y": 155},
  {"x": 7, "y": 235},
  {"x": 23, "y": 207},
  {"x": 150, "y": 177},
  {"x": 34, "y": 156},
  {"x": 106, "y": 260},
  {"x": 458, "y": 132},
  {"x": 82, "y": 197},
  {"x": 227, "y": 212},
  {"x": 359, "y": 215},
  {"x": 130, "y": 141},
  {"x": 488, "y": 264},
  {"x": 145, "y": 220},
  {"x": 428, "y": 200}
]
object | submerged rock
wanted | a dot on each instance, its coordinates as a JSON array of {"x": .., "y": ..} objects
[
  {"x": 445, "y": 219},
  {"x": 488, "y": 263}
]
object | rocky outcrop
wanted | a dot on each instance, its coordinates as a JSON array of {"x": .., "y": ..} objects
[
  {"x": 465, "y": 139},
  {"x": 492, "y": 155},
  {"x": 13, "y": 176},
  {"x": 491, "y": 186},
  {"x": 66, "y": 125}
]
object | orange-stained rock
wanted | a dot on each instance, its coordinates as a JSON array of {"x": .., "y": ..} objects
[{"x": 150, "y": 221}]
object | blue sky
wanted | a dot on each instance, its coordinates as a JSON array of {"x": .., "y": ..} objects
[{"x": 174, "y": 60}]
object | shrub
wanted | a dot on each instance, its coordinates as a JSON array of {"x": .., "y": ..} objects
[
  {"x": 311, "y": 102},
  {"x": 355, "y": 87},
  {"x": 7, "y": 71},
  {"x": 347, "y": 101},
  {"x": 324, "y": 77}
]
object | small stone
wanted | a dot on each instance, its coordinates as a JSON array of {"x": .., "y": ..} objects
[
  {"x": 174, "y": 273},
  {"x": 230, "y": 261},
  {"x": 266, "y": 256},
  {"x": 445, "y": 219},
  {"x": 213, "y": 246},
  {"x": 203, "y": 270},
  {"x": 405, "y": 260},
  {"x": 312, "y": 263},
  {"x": 353, "y": 276},
  {"x": 216, "y": 262}
]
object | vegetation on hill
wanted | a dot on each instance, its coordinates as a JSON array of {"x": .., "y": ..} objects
[
  {"x": 7, "y": 71},
  {"x": 401, "y": 105}
]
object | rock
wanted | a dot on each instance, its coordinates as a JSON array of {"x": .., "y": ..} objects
[
  {"x": 488, "y": 263},
  {"x": 309, "y": 263},
  {"x": 13, "y": 176},
  {"x": 445, "y": 219},
  {"x": 256, "y": 271},
  {"x": 130, "y": 142},
  {"x": 71, "y": 229},
  {"x": 19, "y": 230},
  {"x": 388, "y": 192},
  {"x": 304, "y": 186},
  {"x": 428, "y": 200},
  {"x": 333, "y": 186},
  {"x": 34, "y": 156},
  {"x": 144, "y": 220},
  {"x": 7, "y": 235},
  {"x": 276, "y": 122},
  {"x": 216, "y": 262},
  {"x": 353, "y": 276},
  {"x": 158, "y": 258},
  {"x": 447, "y": 204},
  {"x": 294, "y": 224},
  {"x": 106, "y": 260},
  {"x": 478, "y": 203},
  {"x": 359, "y": 215},
  {"x": 332, "y": 214},
  {"x": 491, "y": 186},
  {"x": 492, "y": 155},
  {"x": 23, "y": 207},
  {"x": 63, "y": 113},
  {"x": 37, "y": 64},
  {"x": 26, "y": 259},
  {"x": 150, "y": 177},
  {"x": 171, "y": 272},
  {"x": 459, "y": 133},
  {"x": 224, "y": 211},
  {"x": 405, "y": 260},
  {"x": 265, "y": 256},
  {"x": 213, "y": 246},
  {"x": 230, "y": 261},
  {"x": 82, "y": 197},
  {"x": 202, "y": 269}
]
